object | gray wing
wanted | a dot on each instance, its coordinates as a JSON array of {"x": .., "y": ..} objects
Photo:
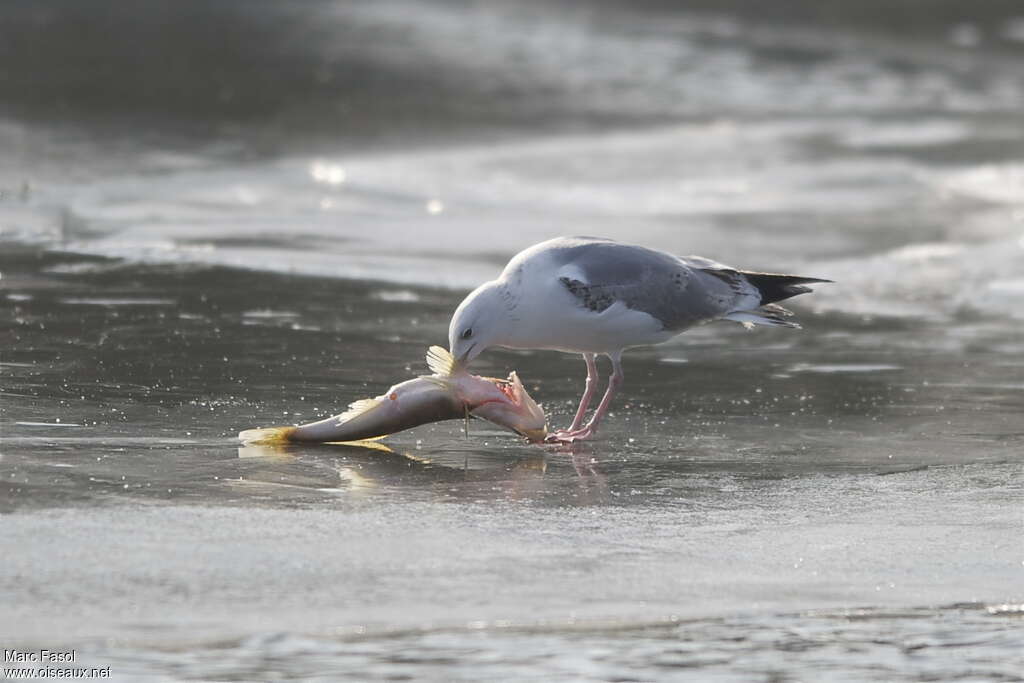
[{"x": 677, "y": 292}]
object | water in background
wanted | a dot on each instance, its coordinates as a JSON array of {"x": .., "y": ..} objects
[{"x": 224, "y": 215}]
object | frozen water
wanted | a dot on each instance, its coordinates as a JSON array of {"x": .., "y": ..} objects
[{"x": 839, "y": 503}]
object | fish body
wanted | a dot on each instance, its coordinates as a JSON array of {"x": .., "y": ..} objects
[
  {"x": 403, "y": 406},
  {"x": 449, "y": 393}
]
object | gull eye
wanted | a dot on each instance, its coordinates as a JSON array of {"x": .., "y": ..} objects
[{"x": 467, "y": 333}]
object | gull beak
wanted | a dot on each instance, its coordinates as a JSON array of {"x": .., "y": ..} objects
[{"x": 464, "y": 358}]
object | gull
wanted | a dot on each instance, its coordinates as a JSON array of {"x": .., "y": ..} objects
[{"x": 596, "y": 296}]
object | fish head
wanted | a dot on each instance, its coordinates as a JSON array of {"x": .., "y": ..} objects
[
  {"x": 505, "y": 402},
  {"x": 513, "y": 408}
]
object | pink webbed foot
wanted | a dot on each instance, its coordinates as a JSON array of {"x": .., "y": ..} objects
[
  {"x": 575, "y": 433},
  {"x": 567, "y": 436}
]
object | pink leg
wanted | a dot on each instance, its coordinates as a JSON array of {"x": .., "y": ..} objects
[
  {"x": 588, "y": 392},
  {"x": 588, "y": 396},
  {"x": 614, "y": 382}
]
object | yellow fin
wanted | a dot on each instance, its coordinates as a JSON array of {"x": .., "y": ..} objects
[
  {"x": 369, "y": 444},
  {"x": 266, "y": 435},
  {"x": 357, "y": 408},
  {"x": 440, "y": 361}
]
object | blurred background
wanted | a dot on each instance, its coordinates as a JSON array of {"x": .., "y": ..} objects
[
  {"x": 201, "y": 126},
  {"x": 275, "y": 78},
  {"x": 216, "y": 215}
]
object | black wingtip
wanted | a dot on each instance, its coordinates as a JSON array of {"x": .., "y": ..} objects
[{"x": 777, "y": 287}]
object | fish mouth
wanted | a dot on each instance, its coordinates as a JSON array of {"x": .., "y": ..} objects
[{"x": 518, "y": 412}]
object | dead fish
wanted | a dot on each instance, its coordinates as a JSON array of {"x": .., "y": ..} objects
[{"x": 450, "y": 393}]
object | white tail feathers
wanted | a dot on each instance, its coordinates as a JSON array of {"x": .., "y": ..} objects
[
  {"x": 770, "y": 314},
  {"x": 440, "y": 361}
]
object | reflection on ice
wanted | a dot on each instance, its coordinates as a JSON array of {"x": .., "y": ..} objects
[
  {"x": 1002, "y": 183},
  {"x": 899, "y": 237},
  {"x": 327, "y": 173},
  {"x": 58, "y": 423},
  {"x": 98, "y": 301},
  {"x": 843, "y": 367}
]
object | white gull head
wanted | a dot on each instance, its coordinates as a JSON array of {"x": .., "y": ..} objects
[{"x": 481, "y": 321}]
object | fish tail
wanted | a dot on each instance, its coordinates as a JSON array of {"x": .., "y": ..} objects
[{"x": 266, "y": 435}]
